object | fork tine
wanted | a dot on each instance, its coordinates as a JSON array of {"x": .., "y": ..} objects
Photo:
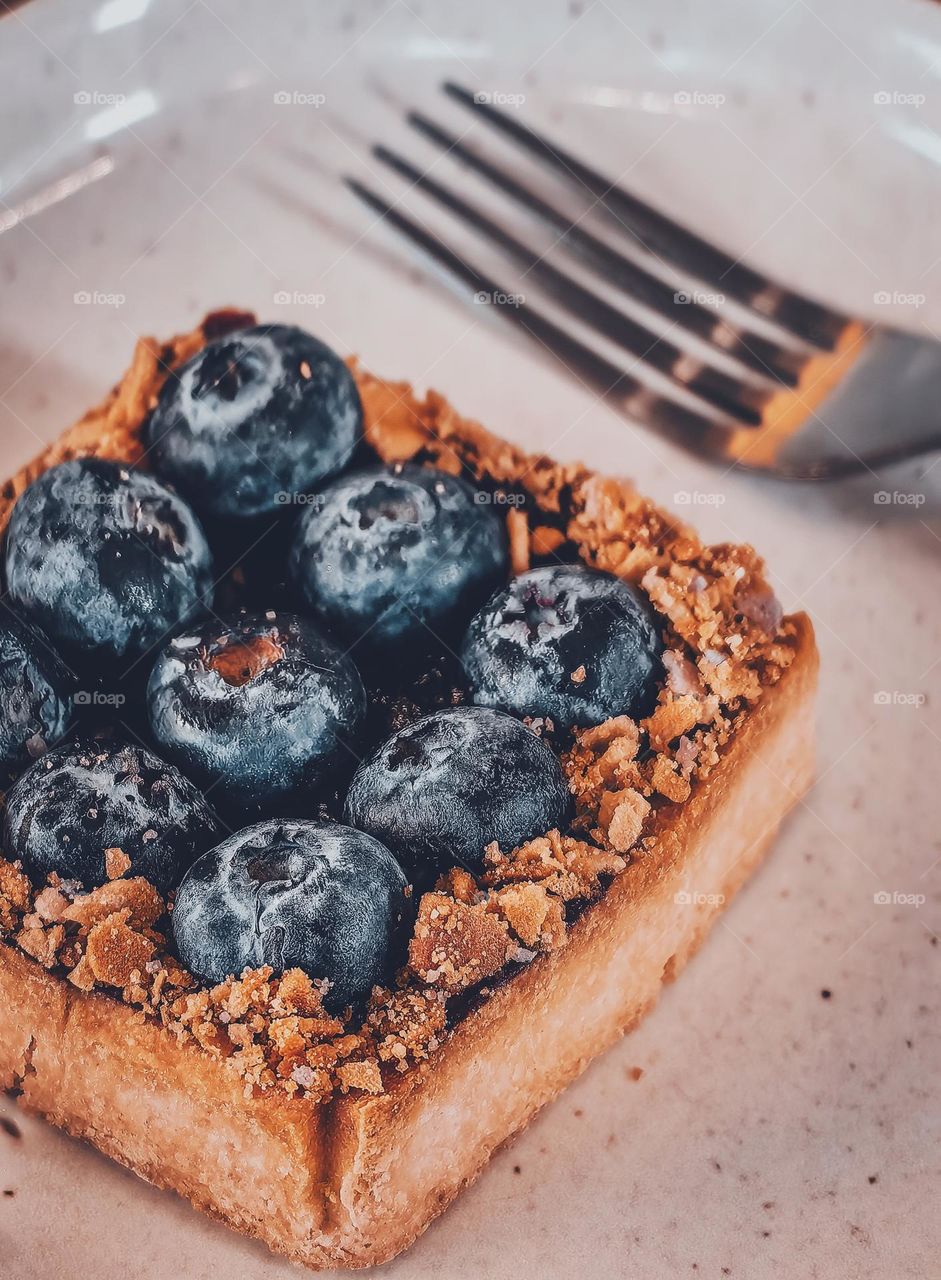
[
  {"x": 699, "y": 435},
  {"x": 666, "y": 239},
  {"x": 724, "y": 392},
  {"x": 671, "y": 419},
  {"x": 755, "y": 353}
]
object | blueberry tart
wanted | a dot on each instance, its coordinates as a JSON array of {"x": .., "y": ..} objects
[{"x": 393, "y": 845}]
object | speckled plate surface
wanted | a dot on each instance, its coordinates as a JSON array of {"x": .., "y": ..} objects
[{"x": 774, "y": 1117}]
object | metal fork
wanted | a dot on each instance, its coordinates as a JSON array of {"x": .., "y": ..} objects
[{"x": 784, "y": 381}]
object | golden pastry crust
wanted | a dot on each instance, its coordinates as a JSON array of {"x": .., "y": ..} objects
[
  {"x": 318, "y": 1101},
  {"x": 353, "y": 1181}
]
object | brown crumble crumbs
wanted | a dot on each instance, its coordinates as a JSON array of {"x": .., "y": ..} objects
[
  {"x": 726, "y": 642},
  {"x": 545, "y": 540},
  {"x": 241, "y": 661},
  {"x": 562, "y": 865},
  {"x": 454, "y": 945},
  {"x": 517, "y": 528},
  {"x": 117, "y": 863}
]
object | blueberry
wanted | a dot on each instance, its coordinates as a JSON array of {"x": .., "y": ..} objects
[
  {"x": 316, "y": 896},
  {"x": 443, "y": 788},
  {"x": 567, "y": 642},
  {"x": 393, "y": 557},
  {"x": 105, "y": 559},
  {"x": 35, "y": 702},
  {"x": 261, "y": 707},
  {"x": 255, "y": 418},
  {"x": 84, "y": 798}
]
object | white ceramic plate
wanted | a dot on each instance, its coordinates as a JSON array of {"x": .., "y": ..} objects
[{"x": 772, "y": 1132}]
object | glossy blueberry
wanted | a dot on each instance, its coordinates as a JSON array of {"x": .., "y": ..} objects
[
  {"x": 35, "y": 700},
  {"x": 105, "y": 559},
  {"x": 443, "y": 788},
  {"x": 84, "y": 798},
  {"x": 391, "y": 557},
  {"x": 567, "y": 642},
  {"x": 256, "y": 418},
  {"x": 262, "y": 707},
  {"x": 316, "y": 896}
]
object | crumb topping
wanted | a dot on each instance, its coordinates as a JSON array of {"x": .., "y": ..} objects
[
  {"x": 545, "y": 540},
  {"x": 517, "y": 528},
  {"x": 455, "y": 945},
  {"x": 117, "y": 863},
  {"x": 726, "y": 642},
  {"x": 407, "y": 1025},
  {"x": 240, "y": 663}
]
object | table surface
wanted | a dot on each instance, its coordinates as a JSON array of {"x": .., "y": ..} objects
[{"x": 774, "y": 1115}]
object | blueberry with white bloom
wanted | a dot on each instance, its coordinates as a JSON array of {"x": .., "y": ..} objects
[
  {"x": 106, "y": 560},
  {"x": 35, "y": 701},
  {"x": 261, "y": 709},
  {"x": 391, "y": 558},
  {"x": 255, "y": 419},
  {"x": 567, "y": 642},
  {"x": 441, "y": 789},
  {"x": 311, "y": 895},
  {"x": 85, "y": 797}
]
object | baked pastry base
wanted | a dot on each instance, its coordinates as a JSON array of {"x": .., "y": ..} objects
[{"x": 354, "y": 1181}]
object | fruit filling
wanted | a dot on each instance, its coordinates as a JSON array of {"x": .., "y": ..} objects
[{"x": 323, "y": 712}]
